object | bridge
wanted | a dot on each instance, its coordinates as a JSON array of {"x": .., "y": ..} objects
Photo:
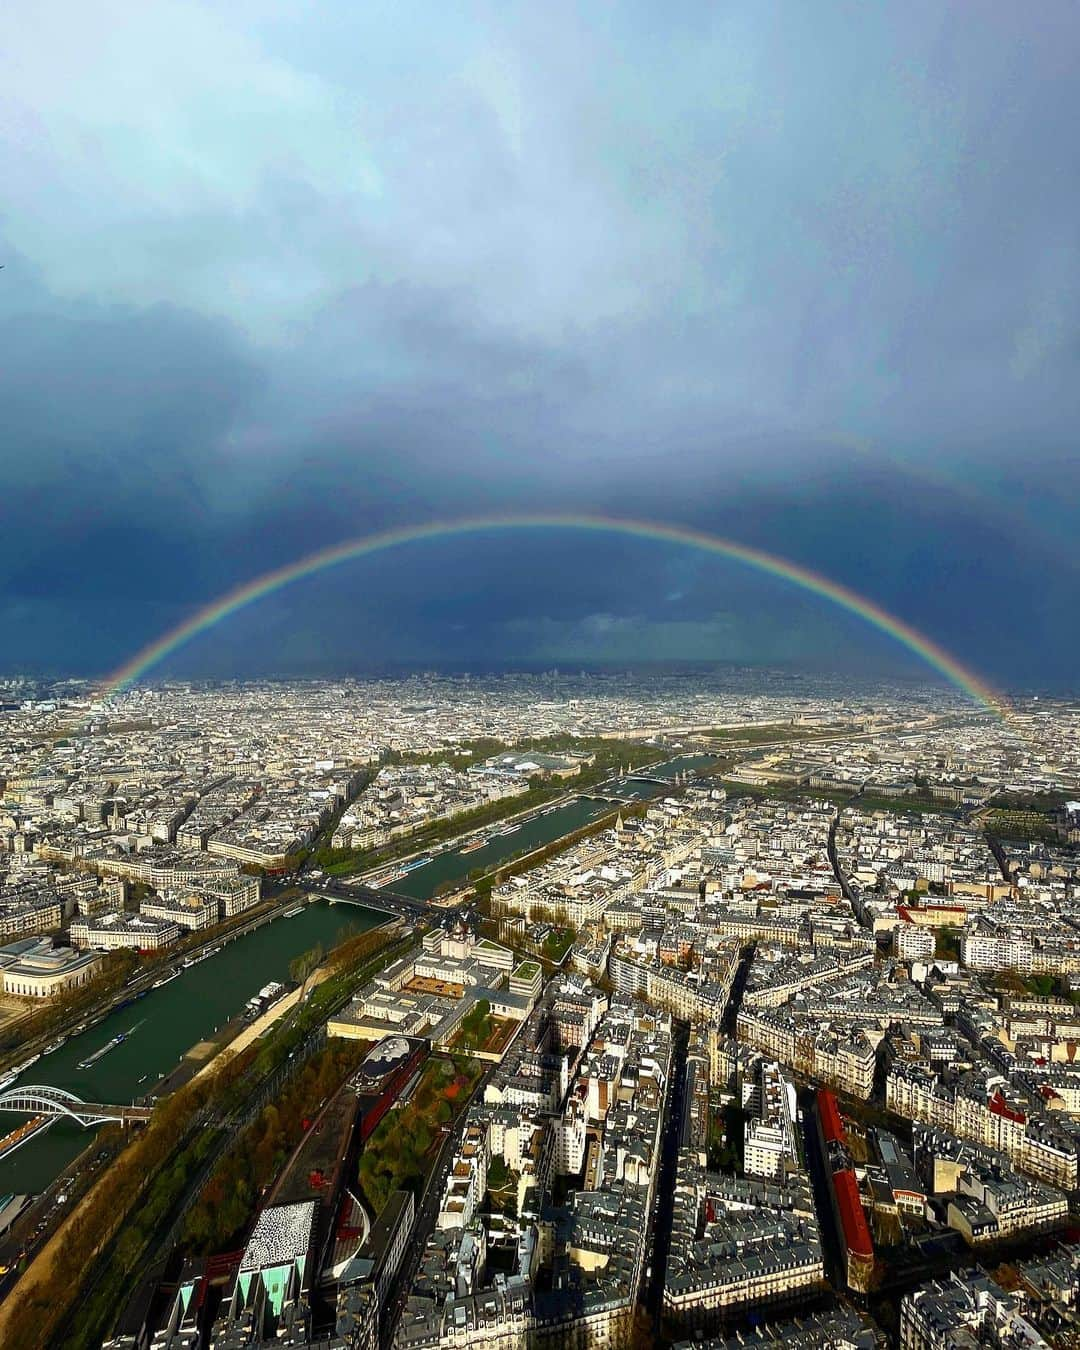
[
  {"x": 34, "y": 1100},
  {"x": 375, "y": 897}
]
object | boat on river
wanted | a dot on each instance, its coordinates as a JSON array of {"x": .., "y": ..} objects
[
  {"x": 91, "y": 1060},
  {"x": 22, "y": 1134},
  {"x": 166, "y": 979},
  {"x": 118, "y": 1039},
  {"x": 17, "y": 1072},
  {"x": 471, "y": 848}
]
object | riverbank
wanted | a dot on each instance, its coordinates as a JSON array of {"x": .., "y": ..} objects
[
  {"x": 149, "y": 1186},
  {"x": 255, "y": 1030},
  {"x": 557, "y": 825},
  {"x": 158, "y": 1030},
  {"x": 440, "y": 835},
  {"x": 96, "y": 1003}
]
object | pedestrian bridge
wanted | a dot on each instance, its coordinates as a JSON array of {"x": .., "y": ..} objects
[{"x": 33, "y": 1100}]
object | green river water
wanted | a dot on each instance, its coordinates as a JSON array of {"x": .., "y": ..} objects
[{"x": 161, "y": 1028}]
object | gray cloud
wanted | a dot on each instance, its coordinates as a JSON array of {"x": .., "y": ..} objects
[{"x": 807, "y": 275}]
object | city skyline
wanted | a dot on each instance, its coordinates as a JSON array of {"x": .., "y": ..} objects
[{"x": 754, "y": 989}]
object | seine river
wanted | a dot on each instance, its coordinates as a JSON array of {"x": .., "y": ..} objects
[
  {"x": 453, "y": 867},
  {"x": 164, "y": 1025}
]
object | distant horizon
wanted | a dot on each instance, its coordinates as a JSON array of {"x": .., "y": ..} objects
[{"x": 571, "y": 669}]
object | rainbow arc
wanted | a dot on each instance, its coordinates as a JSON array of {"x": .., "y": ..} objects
[{"x": 935, "y": 656}]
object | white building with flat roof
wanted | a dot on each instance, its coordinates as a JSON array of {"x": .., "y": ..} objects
[{"x": 35, "y": 968}]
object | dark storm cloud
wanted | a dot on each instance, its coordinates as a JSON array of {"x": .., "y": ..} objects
[
  {"x": 116, "y": 423},
  {"x": 804, "y": 275}
]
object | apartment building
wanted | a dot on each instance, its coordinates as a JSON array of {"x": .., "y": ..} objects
[{"x": 111, "y": 932}]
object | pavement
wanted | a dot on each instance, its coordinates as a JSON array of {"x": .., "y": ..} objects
[{"x": 37, "y": 1223}]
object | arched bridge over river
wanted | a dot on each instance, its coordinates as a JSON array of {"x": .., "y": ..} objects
[{"x": 41, "y": 1100}]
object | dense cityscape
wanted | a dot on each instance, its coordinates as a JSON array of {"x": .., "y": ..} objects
[
  {"x": 728, "y": 1008},
  {"x": 540, "y": 675}
]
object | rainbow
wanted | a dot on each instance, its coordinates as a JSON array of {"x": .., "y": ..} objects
[{"x": 918, "y": 643}]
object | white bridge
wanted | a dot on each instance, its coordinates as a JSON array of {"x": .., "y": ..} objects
[{"x": 32, "y": 1100}]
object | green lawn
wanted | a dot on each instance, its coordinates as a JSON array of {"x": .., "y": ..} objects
[
  {"x": 558, "y": 943},
  {"x": 476, "y": 1027}
]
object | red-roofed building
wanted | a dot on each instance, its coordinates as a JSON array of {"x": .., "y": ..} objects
[
  {"x": 829, "y": 1114},
  {"x": 844, "y": 1189},
  {"x": 1000, "y": 1107},
  {"x": 852, "y": 1217}
]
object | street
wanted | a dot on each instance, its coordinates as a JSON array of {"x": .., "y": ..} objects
[{"x": 664, "y": 1194}]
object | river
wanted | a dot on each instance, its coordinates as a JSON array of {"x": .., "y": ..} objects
[
  {"x": 162, "y": 1027},
  {"x": 452, "y": 867}
]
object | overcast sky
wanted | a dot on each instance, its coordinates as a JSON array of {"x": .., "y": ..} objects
[{"x": 277, "y": 275}]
